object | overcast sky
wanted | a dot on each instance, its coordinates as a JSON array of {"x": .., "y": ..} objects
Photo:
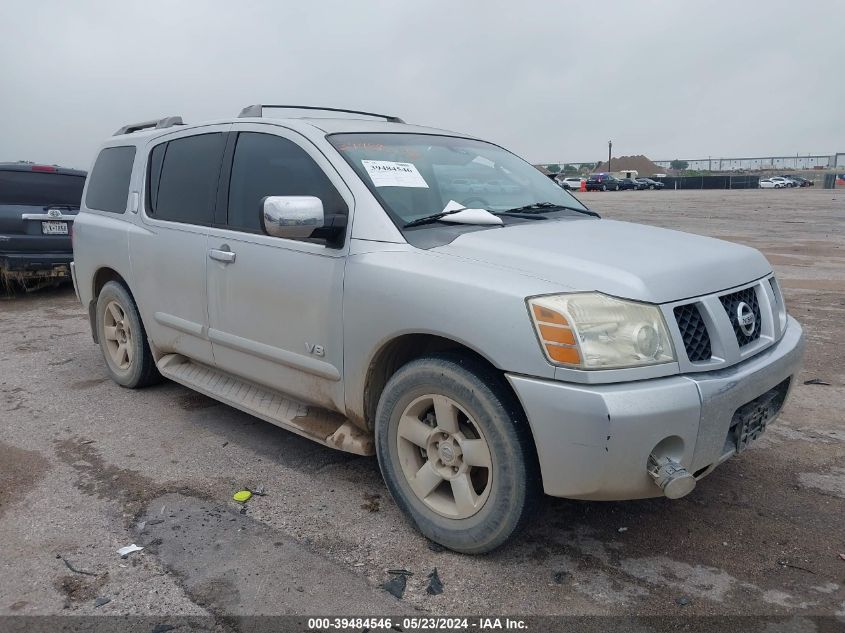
[{"x": 553, "y": 81}]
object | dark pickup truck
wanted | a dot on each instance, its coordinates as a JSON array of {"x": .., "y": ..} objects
[{"x": 38, "y": 204}]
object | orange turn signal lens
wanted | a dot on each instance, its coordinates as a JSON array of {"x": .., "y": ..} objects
[
  {"x": 560, "y": 354},
  {"x": 548, "y": 316},
  {"x": 552, "y": 334}
]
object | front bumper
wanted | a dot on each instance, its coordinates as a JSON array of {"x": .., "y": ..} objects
[{"x": 593, "y": 441}]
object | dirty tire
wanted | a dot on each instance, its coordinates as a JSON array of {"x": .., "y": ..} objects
[
  {"x": 483, "y": 400},
  {"x": 137, "y": 368}
]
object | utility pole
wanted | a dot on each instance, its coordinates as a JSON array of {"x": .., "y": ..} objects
[{"x": 609, "y": 150}]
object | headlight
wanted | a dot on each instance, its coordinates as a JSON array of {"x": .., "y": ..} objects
[{"x": 594, "y": 331}]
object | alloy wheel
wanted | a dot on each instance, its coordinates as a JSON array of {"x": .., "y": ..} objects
[
  {"x": 117, "y": 334},
  {"x": 445, "y": 457}
]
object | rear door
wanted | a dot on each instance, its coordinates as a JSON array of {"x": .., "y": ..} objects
[
  {"x": 169, "y": 251},
  {"x": 275, "y": 305}
]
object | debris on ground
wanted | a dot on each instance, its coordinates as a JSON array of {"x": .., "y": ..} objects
[
  {"x": 225, "y": 444},
  {"x": 163, "y": 628},
  {"x": 682, "y": 601},
  {"x": 74, "y": 569},
  {"x": 842, "y": 556},
  {"x": 559, "y": 577},
  {"x": 373, "y": 504},
  {"x": 99, "y": 602},
  {"x": 259, "y": 491},
  {"x": 786, "y": 563},
  {"x": 396, "y": 585},
  {"x": 436, "y": 547},
  {"x": 87, "y": 442},
  {"x": 622, "y": 529},
  {"x": 242, "y": 496},
  {"x": 155, "y": 521},
  {"x": 128, "y": 549},
  {"x": 816, "y": 381},
  {"x": 435, "y": 585}
]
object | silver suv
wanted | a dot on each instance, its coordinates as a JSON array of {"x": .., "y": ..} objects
[{"x": 333, "y": 276}]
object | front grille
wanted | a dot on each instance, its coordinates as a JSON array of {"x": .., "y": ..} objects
[
  {"x": 694, "y": 332},
  {"x": 731, "y": 302}
]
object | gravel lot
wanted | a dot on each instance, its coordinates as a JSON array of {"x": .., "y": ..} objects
[{"x": 83, "y": 461}]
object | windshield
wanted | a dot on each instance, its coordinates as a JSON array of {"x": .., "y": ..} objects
[{"x": 417, "y": 175}]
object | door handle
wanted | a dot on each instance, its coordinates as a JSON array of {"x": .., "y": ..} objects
[{"x": 222, "y": 255}]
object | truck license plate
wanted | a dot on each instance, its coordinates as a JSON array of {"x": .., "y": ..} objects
[{"x": 54, "y": 227}]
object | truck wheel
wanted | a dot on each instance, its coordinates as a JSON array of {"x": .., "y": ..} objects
[
  {"x": 123, "y": 340},
  {"x": 456, "y": 453}
]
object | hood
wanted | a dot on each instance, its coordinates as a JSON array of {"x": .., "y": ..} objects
[{"x": 633, "y": 261}]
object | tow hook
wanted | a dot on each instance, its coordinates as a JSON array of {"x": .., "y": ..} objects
[{"x": 673, "y": 479}]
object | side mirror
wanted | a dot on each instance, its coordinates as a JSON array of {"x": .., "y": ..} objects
[{"x": 292, "y": 216}]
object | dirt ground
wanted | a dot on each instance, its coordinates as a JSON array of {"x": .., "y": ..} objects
[{"x": 87, "y": 467}]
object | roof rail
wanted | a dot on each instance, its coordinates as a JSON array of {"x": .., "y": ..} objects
[
  {"x": 168, "y": 121},
  {"x": 257, "y": 110}
]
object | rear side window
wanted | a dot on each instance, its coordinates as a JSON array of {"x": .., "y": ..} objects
[
  {"x": 108, "y": 189},
  {"x": 40, "y": 189},
  {"x": 267, "y": 165},
  {"x": 183, "y": 177}
]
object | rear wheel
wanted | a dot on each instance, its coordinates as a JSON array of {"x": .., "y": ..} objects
[
  {"x": 604, "y": 187},
  {"x": 122, "y": 338},
  {"x": 455, "y": 453}
]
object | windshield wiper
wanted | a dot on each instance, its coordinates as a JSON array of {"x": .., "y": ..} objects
[
  {"x": 434, "y": 217},
  {"x": 543, "y": 207}
]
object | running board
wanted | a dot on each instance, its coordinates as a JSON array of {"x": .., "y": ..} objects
[{"x": 321, "y": 425}]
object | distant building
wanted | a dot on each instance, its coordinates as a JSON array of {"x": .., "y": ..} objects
[
  {"x": 781, "y": 163},
  {"x": 785, "y": 163}
]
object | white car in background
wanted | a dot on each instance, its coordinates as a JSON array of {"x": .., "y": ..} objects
[
  {"x": 784, "y": 182},
  {"x": 572, "y": 183},
  {"x": 771, "y": 183}
]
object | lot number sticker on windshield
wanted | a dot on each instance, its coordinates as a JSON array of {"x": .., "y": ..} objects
[{"x": 386, "y": 173}]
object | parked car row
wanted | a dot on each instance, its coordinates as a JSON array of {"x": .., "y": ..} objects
[
  {"x": 608, "y": 182},
  {"x": 783, "y": 182}
]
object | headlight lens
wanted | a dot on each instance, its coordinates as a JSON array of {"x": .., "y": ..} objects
[{"x": 594, "y": 331}]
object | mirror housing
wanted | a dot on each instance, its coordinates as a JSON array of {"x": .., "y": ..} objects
[{"x": 293, "y": 217}]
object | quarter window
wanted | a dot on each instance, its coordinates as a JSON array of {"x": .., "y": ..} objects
[
  {"x": 108, "y": 188},
  {"x": 183, "y": 177},
  {"x": 267, "y": 165}
]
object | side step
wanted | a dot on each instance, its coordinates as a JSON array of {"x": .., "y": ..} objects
[{"x": 320, "y": 425}]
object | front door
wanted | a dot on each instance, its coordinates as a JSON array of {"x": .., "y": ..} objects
[{"x": 275, "y": 304}]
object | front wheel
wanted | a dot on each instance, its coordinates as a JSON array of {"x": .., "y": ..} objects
[
  {"x": 604, "y": 187},
  {"x": 456, "y": 453}
]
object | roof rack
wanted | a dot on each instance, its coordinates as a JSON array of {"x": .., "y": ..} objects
[
  {"x": 257, "y": 110},
  {"x": 168, "y": 121}
]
